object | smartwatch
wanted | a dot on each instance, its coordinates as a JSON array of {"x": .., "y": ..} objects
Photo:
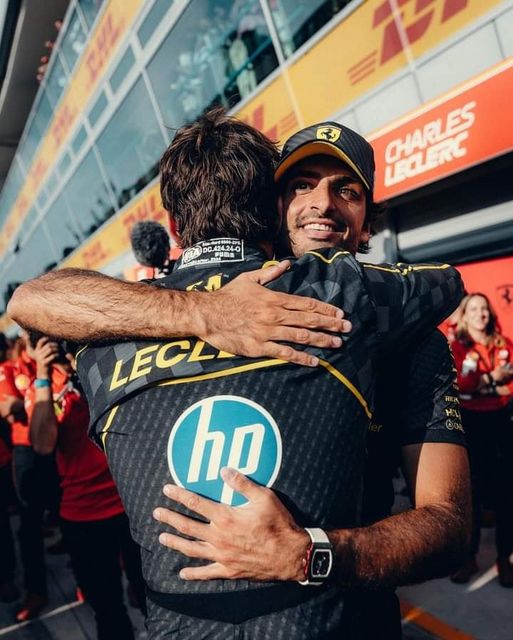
[{"x": 319, "y": 558}]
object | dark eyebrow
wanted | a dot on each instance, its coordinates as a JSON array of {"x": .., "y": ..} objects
[
  {"x": 308, "y": 173},
  {"x": 343, "y": 180},
  {"x": 302, "y": 173}
]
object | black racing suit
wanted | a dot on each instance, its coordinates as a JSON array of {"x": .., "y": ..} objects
[
  {"x": 416, "y": 401},
  {"x": 180, "y": 410}
]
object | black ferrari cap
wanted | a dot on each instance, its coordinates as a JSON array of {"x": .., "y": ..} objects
[{"x": 332, "y": 139}]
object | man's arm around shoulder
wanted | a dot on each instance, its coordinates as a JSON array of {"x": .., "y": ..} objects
[
  {"x": 243, "y": 317},
  {"x": 261, "y": 540},
  {"x": 425, "y": 542}
]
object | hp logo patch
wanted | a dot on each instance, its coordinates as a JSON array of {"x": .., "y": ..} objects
[{"x": 223, "y": 431}]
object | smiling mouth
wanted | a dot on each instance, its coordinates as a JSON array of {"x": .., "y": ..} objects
[
  {"x": 314, "y": 226},
  {"x": 322, "y": 227}
]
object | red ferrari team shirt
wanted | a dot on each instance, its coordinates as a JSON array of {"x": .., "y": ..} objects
[
  {"x": 475, "y": 359},
  {"x": 16, "y": 376},
  {"x": 88, "y": 491},
  {"x": 5, "y": 454}
]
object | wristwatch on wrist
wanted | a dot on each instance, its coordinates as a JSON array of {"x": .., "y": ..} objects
[{"x": 319, "y": 558}]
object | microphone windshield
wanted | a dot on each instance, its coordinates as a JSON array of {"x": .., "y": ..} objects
[{"x": 150, "y": 243}]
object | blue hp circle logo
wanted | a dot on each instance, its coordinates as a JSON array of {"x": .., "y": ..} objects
[{"x": 223, "y": 431}]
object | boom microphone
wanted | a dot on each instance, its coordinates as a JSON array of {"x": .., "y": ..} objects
[{"x": 150, "y": 244}]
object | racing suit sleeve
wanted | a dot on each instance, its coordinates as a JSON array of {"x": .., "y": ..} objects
[
  {"x": 410, "y": 299},
  {"x": 431, "y": 410}
]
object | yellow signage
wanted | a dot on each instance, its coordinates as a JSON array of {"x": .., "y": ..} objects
[
  {"x": 114, "y": 237},
  {"x": 367, "y": 47},
  {"x": 109, "y": 32},
  {"x": 373, "y": 42},
  {"x": 273, "y": 115}
]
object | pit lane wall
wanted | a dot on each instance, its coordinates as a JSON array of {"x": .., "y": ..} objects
[{"x": 375, "y": 66}]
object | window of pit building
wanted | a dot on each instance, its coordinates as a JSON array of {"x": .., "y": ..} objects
[
  {"x": 63, "y": 229},
  {"x": 98, "y": 108},
  {"x": 56, "y": 81},
  {"x": 78, "y": 140},
  {"x": 29, "y": 221},
  {"x": 131, "y": 144},
  {"x": 31, "y": 257},
  {"x": 11, "y": 189},
  {"x": 90, "y": 9},
  {"x": 42, "y": 198},
  {"x": 52, "y": 184},
  {"x": 29, "y": 145},
  {"x": 42, "y": 117},
  {"x": 297, "y": 21},
  {"x": 217, "y": 53},
  {"x": 88, "y": 197},
  {"x": 122, "y": 70},
  {"x": 64, "y": 164},
  {"x": 153, "y": 20},
  {"x": 74, "y": 40}
]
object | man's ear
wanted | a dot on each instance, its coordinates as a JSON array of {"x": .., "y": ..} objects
[
  {"x": 173, "y": 229},
  {"x": 282, "y": 243},
  {"x": 365, "y": 234}
]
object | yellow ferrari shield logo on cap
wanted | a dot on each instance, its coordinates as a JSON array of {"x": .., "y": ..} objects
[{"x": 330, "y": 134}]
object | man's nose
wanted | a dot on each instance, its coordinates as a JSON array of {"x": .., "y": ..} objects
[{"x": 321, "y": 199}]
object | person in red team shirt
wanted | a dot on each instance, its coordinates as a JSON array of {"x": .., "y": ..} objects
[
  {"x": 30, "y": 474},
  {"x": 484, "y": 362},
  {"x": 93, "y": 522},
  {"x": 8, "y": 590}
]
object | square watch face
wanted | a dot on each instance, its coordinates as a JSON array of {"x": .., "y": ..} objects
[{"x": 321, "y": 563}]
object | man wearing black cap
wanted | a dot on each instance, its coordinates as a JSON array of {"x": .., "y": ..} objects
[
  {"x": 326, "y": 179},
  {"x": 335, "y": 165},
  {"x": 312, "y": 452}
]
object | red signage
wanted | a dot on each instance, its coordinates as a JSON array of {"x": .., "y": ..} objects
[
  {"x": 100, "y": 52},
  {"x": 494, "y": 278},
  {"x": 465, "y": 129}
]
